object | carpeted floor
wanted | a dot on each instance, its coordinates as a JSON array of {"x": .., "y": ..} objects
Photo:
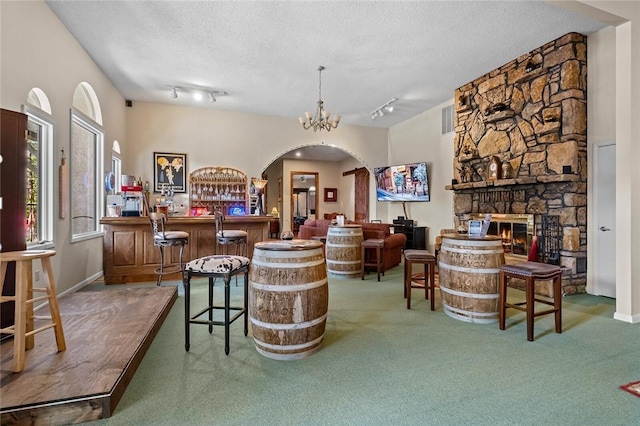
[{"x": 381, "y": 364}]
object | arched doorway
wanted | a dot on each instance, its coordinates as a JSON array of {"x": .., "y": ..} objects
[{"x": 332, "y": 164}]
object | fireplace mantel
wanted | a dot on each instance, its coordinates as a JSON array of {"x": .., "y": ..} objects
[{"x": 528, "y": 180}]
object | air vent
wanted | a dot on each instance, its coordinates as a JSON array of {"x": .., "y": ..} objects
[{"x": 447, "y": 119}]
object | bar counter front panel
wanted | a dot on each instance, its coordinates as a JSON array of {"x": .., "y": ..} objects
[{"x": 130, "y": 256}]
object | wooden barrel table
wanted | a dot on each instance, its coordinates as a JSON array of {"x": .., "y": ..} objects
[
  {"x": 344, "y": 253},
  {"x": 469, "y": 273},
  {"x": 288, "y": 298}
]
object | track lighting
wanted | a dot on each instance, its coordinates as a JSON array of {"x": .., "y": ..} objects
[
  {"x": 198, "y": 92},
  {"x": 379, "y": 112}
]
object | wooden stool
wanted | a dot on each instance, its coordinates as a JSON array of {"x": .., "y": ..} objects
[
  {"x": 531, "y": 272},
  {"x": 429, "y": 261},
  {"x": 22, "y": 330},
  {"x": 216, "y": 266},
  {"x": 378, "y": 245}
]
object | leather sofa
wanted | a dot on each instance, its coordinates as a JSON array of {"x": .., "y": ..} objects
[{"x": 393, "y": 243}]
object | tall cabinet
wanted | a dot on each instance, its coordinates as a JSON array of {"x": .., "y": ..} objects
[{"x": 13, "y": 184}]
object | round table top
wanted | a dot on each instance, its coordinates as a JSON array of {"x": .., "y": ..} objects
[
  {"x": 457, "y": 236},
  {"x": 348, "y": 225},
  {"x": 14, "y": 256},
  {"x": 288, "y": 245}
]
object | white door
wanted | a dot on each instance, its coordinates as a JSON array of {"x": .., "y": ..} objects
[{"x": 605, "y": 219}]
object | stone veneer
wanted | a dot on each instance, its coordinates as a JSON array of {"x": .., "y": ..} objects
[{"x": 531, "y": 114}]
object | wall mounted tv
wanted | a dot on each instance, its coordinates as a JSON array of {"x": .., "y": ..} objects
[{"x": 405, "y": 182}]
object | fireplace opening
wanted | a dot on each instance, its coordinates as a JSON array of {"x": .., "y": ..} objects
[{"x": 516, "y": 231}]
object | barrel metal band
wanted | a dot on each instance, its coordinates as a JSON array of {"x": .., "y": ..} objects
[
  {"x": 296, "y": 326},
  {"x": 343, "y": 262},
  {"x": 470, "y": 270},
  {"x": 464, "y": 315},
  {"x": 467, "y": 251},
  {"x": 471, "y": 295},
  {"x": 289, "y": 347},
  {"x": 276, "y": 265},
  {"x": 287, "y": 287},
  {"x": 475, "y": 243}
]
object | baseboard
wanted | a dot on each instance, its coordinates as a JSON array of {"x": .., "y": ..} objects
[
  {"x": 633, "y": 319},
  {"x": 82, "y": 283}
]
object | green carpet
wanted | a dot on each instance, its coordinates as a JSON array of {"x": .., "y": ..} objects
[{"x": 381, "y": 364}]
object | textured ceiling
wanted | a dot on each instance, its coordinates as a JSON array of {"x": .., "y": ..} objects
[{"x": 265, "y": 54}]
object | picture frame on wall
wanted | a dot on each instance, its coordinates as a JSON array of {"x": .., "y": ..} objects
[
  {"x": 169, "y": 172},
  {"x": 330, "y": 195}
]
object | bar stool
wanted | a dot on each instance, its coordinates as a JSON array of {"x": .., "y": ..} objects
[
  {"x": 427, "y": 259},
  {"x": 377, "y": 245},
  {"x": 230, "y": 236},
  {"x": 216, "y": 266},
  {"x": 531, "y": 272},
  {"x": 163, "y": 238},
  {"x": 23, "y": 328}
]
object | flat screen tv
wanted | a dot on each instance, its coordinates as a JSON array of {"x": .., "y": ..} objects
[{"x": 405, "y": 182}]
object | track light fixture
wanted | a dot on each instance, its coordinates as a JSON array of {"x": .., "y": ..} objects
[
  {"x": 197, "y": 92},
  {"x": 379, "y": 112}
]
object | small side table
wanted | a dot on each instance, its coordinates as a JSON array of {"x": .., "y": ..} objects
[{"x": 378, "y": 246}]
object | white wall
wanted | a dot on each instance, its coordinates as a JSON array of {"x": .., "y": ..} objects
[
  {"x": 38, "y": 51},
  {"x": 420, "y": 139},
  {"x": 625, "y": 16},
  {"x": 601, "y": 119}
]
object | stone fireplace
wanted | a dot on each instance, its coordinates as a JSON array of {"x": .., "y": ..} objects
[{"x": 521, "y": 146}]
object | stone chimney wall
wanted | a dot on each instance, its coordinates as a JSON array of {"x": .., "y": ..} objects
[{"x": 530, "y": 118}]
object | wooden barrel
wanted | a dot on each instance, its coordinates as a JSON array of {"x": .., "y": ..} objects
[
  {"x": 288, "y": 299},
  {"x": 469, "y": 273},
  {"x": 344, "y": 256}
]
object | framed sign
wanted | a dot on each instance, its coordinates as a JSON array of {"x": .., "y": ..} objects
[
  {"x": 169, "y": 172},
  {"x": 331, "y": 195}
]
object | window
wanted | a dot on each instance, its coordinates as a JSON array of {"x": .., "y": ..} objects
[
  {"x": 86, "y": 170},
  {"x": 116, "y": 166},
  {"x": 39, "y": 197}
]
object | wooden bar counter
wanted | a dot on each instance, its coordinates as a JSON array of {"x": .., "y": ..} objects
[{"x": 130, "y": 256}]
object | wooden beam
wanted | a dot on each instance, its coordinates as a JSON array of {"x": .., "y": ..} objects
[{"x": 352, "y": 172}]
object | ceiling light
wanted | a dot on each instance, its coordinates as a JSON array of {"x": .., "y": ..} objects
[
  {"x": 198, "y": 92},
  {"x": 379, "y": 112},
  {"x": 322, "y": 119}
]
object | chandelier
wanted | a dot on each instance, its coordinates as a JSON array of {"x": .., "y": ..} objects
[{"x": 322, "y": 119}]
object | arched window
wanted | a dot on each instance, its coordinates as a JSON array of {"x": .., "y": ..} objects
[
  {"x": 86, "y": 164},
  {"x": 39, "y": 209}
]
